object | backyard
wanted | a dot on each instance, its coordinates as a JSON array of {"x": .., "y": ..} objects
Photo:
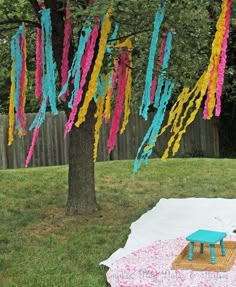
[{"x": 40, "y": 246}]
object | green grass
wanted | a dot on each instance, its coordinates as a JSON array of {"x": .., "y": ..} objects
[{"x": 40, "y": 247}]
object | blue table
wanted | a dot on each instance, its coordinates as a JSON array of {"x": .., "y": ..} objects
[{"x": 210, "y": 237}]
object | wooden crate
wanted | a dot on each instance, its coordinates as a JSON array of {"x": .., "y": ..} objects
[{"x": 202, "y": 261}]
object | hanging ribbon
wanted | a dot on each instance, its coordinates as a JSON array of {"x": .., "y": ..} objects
[
  {"x": 18, "y": 84},
  {"x": 66, "y": 48},
  {"x": 160, "y": 62},
  {"x": 164, "y": 66},
  {"x": 150, "y": 138},
  {"x": 214, "y": 61},
  {"x": 92, "y": 87},
  {"x": 223, "y": 58},
  {"x": 149, "y": 74},
  {"x": 86, "y": 62},
  {"x": 99, "y": 117},
  {"x": 122, "y": 82}
]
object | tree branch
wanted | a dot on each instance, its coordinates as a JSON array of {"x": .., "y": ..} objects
[
  {"x": 36, "y": 7},
  {"x": 129, "y": 35},
  {"x": 19, "y": 21}
]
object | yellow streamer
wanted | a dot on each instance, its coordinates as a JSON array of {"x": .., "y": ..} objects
[
  {"x": 127, "y": 89},
  {"x": 215, "y": 57},
  {"x": 92, "y": 87},
  {"x": 11, "y": 107},
  {"x": 107, "y": 112},
  {"x": 99, "y": 116},
  {"x": 200, "y": 87}
]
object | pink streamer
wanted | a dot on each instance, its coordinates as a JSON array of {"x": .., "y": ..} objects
[
  {"x": 122, "y": 81},
  {"x": 153, "y": 89},
  {"x": 66, "y": 47},
  {"x": 86, "y": 62},
  {"x": 32, "y": 146},
  {"x": 160, "y": 61},
  {"x": 39, "y": 62},
  {"x": 223, "y": 60},
  {"x": 114, "y": 78},
  {"x": 205, "y": 112}
]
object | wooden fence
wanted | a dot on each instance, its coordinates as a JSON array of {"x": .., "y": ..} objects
[{"x": 201, "y": 139}]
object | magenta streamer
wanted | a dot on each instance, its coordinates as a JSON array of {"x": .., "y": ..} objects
[
  {"x": 66, "y": 47},
  {"x": 153, "y": 89},
  {"x": 86, "y": 62},
  {"x": 114, "y": 78},
  {"x": 122, "y": 81},
  {"x": 160, "y": 61},
  {"x": 32, "y": 146},
  {"x": 39, "y": 62},
  {"x": 223, "y": 59}
]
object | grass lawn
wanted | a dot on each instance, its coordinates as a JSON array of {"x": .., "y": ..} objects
[{"x": 41, "y": 247}]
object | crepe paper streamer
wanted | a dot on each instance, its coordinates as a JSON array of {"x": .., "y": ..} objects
[
  {"x": 176, "y": 110},
  {"x": 191, "y": 98},
  {"x": 49, "y": 67},
  {"x": 149, "y": 74},
  {"x": 11, "y": 103},
  {"x": 86, "y": 62},
  {"x": 223, "y": 58},
  {"x": 23, "y": 85},
  {"x": 206, "y": 107},
  {"x": 18, "y": 84},
  {"x": 102, "y": 86},
  {"x": 66, "y": 48},
  {"x": 153, "y": 89},
  {"x": 92, "y": 87},
  {"x": 99, "y": 116},
  {"x": 76, "y": 72},
  {"x": 122, "y": 81},
  {"x": 39, "y": 64},
  {"x": 215, "y": 60},
  {"x": 107, "y": 112},
  {"x": 32, "y": 146},
  {"x": 160, "y": 62},
  {"x": 151, "y": 135},
  {"x": 164, "y": 66},
  {"x": 127, "y": 90}
]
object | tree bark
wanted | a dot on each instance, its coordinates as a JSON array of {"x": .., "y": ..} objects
[{"x": 81, "y": 178}]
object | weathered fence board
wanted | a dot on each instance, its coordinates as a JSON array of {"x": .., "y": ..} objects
[{"x": 201, "y": 139}]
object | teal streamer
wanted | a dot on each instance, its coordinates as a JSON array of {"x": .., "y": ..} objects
[
  {"x": 161, "y": 78},
  {"x": 49, "y": 72},
  {"x": 16, "y": 56},
  {"x": 149, "y": 74},
  {"x": 75, "y": 71},
  {"x": 49, "y": 67},
  {"x": 151, "y": 135}
]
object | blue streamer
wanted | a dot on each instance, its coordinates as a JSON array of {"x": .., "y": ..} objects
[
  {"x": 163, "y": 69},
  {"x": 149, "y": 74},
  {"x": 151, "y": 135},
  {"x": 49, "y": 67},
  {"x": 16, "y": 56},
  {"x": 75, "y": 71}
]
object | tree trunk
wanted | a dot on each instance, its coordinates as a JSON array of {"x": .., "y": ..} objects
[{"x": 81, "y": 182}]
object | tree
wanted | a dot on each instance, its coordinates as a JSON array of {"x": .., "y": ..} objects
[{"x": 191, "y": 23}]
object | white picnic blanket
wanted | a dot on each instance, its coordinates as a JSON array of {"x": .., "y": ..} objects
[{"x": 175, "y": 218}]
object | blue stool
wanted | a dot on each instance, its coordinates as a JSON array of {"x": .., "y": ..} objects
[{"x": 206, "y": 237}]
